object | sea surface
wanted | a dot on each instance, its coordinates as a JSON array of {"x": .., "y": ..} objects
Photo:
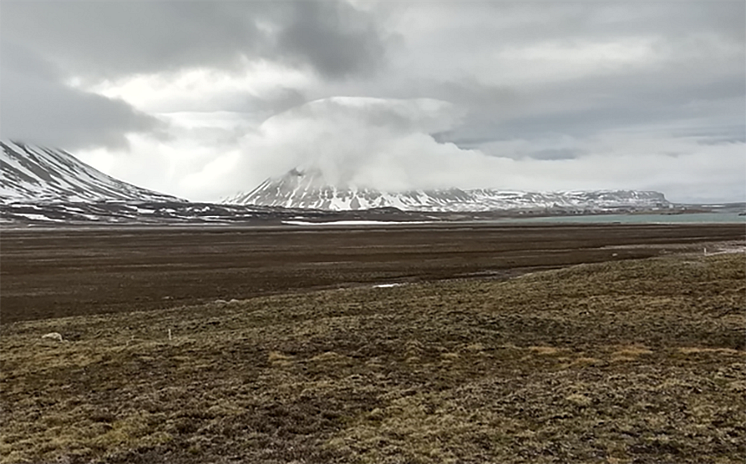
[{"x": 687, "y": 218}]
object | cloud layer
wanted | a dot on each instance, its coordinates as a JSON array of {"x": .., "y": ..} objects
[
  {"x": 37, "y": 106},
  {"x": 202, "y": 99}
]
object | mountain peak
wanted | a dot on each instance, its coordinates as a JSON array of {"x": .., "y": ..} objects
[{"x": 34, "y": 173}]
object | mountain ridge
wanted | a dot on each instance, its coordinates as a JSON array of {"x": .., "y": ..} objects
[
  {"x": 34, "y": 173},
  {"x": 307, "y": 189}
]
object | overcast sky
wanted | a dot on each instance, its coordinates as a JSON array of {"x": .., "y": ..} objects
[{"x": 202, "y": 99}]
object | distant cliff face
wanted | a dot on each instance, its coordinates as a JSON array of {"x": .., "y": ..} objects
[
  {"x": 299, "y": 189},
  {"x": 33, "y": 173}
]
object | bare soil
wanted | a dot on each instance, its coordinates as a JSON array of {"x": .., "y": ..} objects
[{"x": 64, "y": 272}]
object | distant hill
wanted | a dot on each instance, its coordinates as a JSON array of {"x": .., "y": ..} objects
[{"x": 308, "y": 189}]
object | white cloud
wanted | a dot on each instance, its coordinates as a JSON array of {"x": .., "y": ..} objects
[
  {"x": 202, "y": 89},
  {"x": 350, "y": 138},
  {"x": 386, "y": 144}
]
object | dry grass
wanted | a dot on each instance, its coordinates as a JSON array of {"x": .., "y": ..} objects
[{"x": 625, "y": 362}]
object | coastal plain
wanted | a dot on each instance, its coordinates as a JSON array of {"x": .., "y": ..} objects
[
  {"x": 408, "y": 344},
  {"x": 61, "y": 272}
]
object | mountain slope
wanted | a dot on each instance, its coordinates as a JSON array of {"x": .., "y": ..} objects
[
  {"x": 33, "y": 173},
  {"x": 307, "y": 189}
]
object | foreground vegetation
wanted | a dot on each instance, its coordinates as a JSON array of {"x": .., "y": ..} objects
[{"x": 622, "y": 362}]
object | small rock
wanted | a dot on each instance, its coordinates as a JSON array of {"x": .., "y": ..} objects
[{"x": 53, "y": 336}]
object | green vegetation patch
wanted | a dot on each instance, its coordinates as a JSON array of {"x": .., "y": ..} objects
[{"x": 635, "y": 361}]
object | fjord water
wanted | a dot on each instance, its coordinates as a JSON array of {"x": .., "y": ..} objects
[{"x": 685, "y": 218}]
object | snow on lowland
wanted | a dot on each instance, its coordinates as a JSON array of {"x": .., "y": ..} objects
[
  {"x": 353, "y": 223},
  {"x": 307, "y": 189},
  {"x": 32, "y": 173}
]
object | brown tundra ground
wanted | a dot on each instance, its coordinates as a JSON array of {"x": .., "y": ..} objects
[{"x": 632, "y": 350}]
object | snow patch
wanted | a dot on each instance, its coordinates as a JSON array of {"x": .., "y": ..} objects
[
  {"x": 352, "y": 223},
  {"x": 38, "y": 217},
  {"x": 387, "y": 285}
]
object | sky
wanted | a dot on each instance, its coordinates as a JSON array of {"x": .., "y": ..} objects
[{"x": 203, "y": 99}]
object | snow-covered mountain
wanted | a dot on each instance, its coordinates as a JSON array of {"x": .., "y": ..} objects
[
  {"x": 31, "y": 173},
  {"x": 308, "y": 189}
]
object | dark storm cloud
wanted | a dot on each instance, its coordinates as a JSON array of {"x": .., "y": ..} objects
[
  {"x": 555, "y": 154},
  {"x": 689, "y": 68},
  {"x": 586, "y": 107},
  {"x": 38, "y": 107},
  {"x": 336, "y": 38},
  {"x": 118, "y": 38},
  {"x": 90, "y": 41}
]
